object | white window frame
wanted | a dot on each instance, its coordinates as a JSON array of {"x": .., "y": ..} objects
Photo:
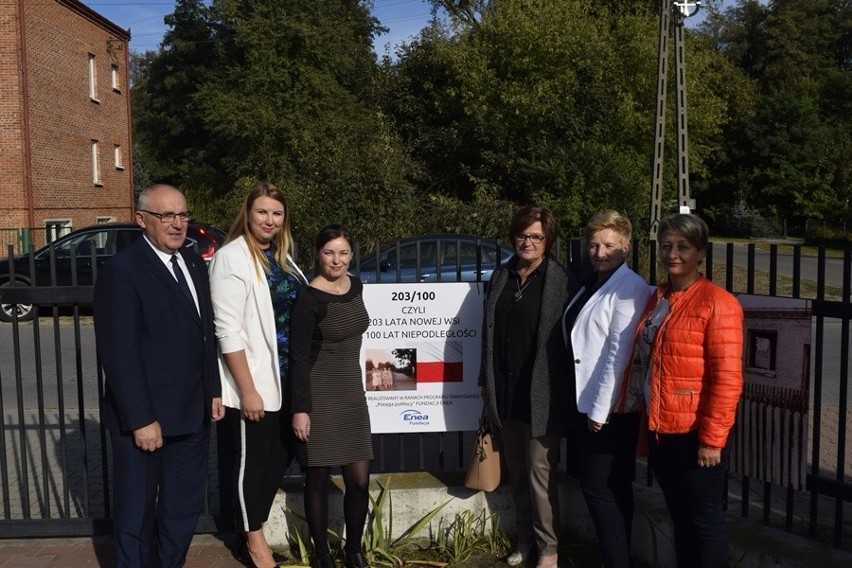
[
  {"x": 116, "y": 151},
  {"x": 96, "y": 168},
  {"x": 55, "y": 228},
  {"x": 93, "y": 79},
  {"x": 116, "y": 83}
]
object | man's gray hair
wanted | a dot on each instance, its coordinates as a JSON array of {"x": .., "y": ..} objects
[{"x": 145, "y": 194}]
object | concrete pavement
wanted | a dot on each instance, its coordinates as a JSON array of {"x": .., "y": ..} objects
[
  {"x": 207, "y": 551},
  {"x": 752, "y": 544}
]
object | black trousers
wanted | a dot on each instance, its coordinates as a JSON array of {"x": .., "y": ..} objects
[
  {"x": 606, "y": 469},
  {"x": 261, "y": 454},
  {"x": 693, "y": 497}
]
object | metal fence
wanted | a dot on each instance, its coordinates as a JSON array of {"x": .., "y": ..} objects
[
  {"x": 55, "y": 467},
  {"x": 18, "y": 239}
]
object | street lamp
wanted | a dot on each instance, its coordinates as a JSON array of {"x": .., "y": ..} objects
[{"x": 688, "y": 9}]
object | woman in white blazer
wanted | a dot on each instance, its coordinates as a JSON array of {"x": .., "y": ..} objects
[
  {"x": 253, "y": 283},
  {"x": 598, "y": 325}
]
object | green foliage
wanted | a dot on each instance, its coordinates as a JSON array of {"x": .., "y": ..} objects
[
  {"x": 465, "y": 534},
  {"x": 378, "y": 541},
  {"x": 840, "y": 237},
  {"x": 141, "y": 177},
  {"x": 174, "y": 145},
  {"x": 546, "y": 102},
  {"x": 278, "y": 92},
  {"x": 513, "y": 102},
  {"x": 789, "y": 157},
  {"x": 299, "y": 542},
  {"x": 486, "y": 215}
]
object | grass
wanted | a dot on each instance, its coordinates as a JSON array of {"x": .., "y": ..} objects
[
  {"x": 785, "y": 246},
  {"x": 783, "y": 284}
]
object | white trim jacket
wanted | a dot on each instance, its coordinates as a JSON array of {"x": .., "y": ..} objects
[
  {"x": 602, "y": 340},
  {"x": 244, "y": 319}
]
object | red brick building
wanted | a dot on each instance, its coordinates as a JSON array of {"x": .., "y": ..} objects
[{"x": 65, "y": 142}]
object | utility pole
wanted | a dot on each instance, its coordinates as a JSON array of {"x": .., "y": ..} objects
[{"x": 671, "y": 10}]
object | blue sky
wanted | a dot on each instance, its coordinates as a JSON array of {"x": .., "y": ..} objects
[{"x": 405, "y": 18}]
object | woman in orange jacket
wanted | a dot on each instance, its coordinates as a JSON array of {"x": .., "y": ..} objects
[{"x": 689, "y": 343}]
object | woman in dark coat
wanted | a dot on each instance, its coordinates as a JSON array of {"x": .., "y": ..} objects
[{"x": 523, "y": 377}]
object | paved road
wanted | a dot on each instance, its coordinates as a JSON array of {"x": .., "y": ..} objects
[
  {"x": 809, "y": 265},
  {"x": 74, "y": 364}
]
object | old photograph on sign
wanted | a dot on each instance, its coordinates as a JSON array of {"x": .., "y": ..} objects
[{"x": 392, "y": 370}]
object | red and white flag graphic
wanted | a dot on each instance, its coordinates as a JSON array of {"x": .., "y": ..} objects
[{"x": 439, "y": 362}]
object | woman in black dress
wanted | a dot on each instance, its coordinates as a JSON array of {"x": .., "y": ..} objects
[{"x": 330, "y": 417}]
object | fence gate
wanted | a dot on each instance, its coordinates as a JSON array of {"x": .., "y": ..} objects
[{"x": 55, "y": 468}]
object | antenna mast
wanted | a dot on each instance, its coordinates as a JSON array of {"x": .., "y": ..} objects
[{"x": 678, "y": 11}]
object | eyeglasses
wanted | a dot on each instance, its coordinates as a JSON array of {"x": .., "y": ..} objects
[
  {"x": 169, "y": 217},
  {"x": 534, "y": 239}
]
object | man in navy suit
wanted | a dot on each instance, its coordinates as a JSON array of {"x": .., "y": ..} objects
[{"x": 154, "y": 329}]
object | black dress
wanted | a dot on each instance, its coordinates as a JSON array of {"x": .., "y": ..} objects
[{"x": 325, "y": 334}]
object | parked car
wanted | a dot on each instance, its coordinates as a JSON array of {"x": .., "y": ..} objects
[
  {"x": 89, "y": 247},
  {"x": 440, "y": 258}
]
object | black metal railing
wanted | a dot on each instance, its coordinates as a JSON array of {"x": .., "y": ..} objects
[{"x": 55, "y": 467}]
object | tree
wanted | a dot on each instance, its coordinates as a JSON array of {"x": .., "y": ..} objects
[
  {"x": 405, "y": 360},
  {"x": 260, "y": 90},
  {"x": 547, "y": 102},
  {"x": 174, "y": 144},
  {"x": 788, "y": 156}
]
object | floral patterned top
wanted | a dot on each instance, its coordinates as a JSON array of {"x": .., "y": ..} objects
[{"x": 284, "y": 288}]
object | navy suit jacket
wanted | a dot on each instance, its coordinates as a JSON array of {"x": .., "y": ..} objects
[{"x": 158, "y": 354}]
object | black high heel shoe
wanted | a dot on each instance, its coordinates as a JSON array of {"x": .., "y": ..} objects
[
  {"x": 355, "y": 559},
  {"x": 324, "y": 560},
  {"x": 244, "y": 556},
  {"x": 241, "y": 552}
]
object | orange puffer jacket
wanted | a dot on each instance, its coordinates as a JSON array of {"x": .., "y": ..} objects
[{"x": 696, "y": 362}]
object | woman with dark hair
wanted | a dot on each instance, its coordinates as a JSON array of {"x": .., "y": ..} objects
[
  {"x": 599, "y": 325},
  {"x": 330, "y": 417},
  {"x": 253, "y": 284},
  {"x": 524, "y": 365},
  {"x": 692, "y": 330}
]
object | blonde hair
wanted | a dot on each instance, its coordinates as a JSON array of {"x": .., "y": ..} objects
[
  {"x": 609, "y": 219},
  {"x": 283, "y": 240}
]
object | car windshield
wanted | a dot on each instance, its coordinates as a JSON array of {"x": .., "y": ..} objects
[{"x": 100, "y": 242}]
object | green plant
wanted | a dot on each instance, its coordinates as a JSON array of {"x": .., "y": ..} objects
[
  {"x": 296, "y": 540},
  {"x": 497, "y": 541},
  {"x": 467, "y": 533},
  {"x": 378, "y": 540},
  {"x": 381, "y": 547}
]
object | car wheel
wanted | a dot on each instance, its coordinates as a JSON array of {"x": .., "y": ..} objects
[{"x": 24, "y": 311}]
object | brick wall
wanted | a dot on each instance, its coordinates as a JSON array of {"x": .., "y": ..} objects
[
  {"x": 63, "y": 118},
  {"x": 13, "y": 211}
]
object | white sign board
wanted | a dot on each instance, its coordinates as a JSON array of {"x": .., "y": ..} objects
[{"x": 420, "y": 356}]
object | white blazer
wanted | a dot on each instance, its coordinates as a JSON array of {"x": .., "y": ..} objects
[
  {"x": 244, "y": 319},
  {"x": 602, "y": 339}
]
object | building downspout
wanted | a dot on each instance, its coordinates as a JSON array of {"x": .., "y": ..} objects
[
  {"x": 129, "y": 125},
  {"x": 25, "y": 118}
]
